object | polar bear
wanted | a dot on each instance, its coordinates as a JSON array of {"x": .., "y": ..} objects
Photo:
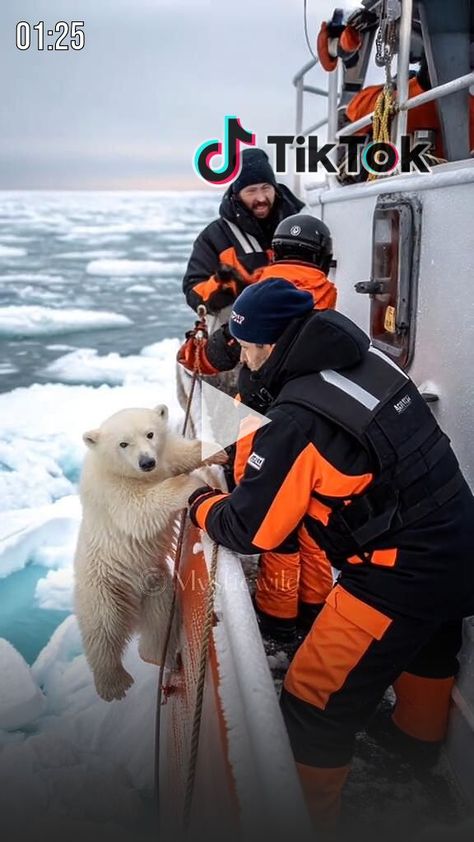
[{"x": 135, "y": 478}]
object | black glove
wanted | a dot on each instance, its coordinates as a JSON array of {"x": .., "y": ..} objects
[
  {"x": 226, "y": 274},
  {"x": 223, "y": 351},
  {"x": 198, "y": 497}
]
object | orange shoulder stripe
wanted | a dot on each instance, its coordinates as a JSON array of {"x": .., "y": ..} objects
[
  {"x": 243, "y": 450},
  {"x": 290, "y": 503},
  {"x": 310, "y": 471},
  {"x": 229, "y": 257},
  {"x": 333, "y": 483}
]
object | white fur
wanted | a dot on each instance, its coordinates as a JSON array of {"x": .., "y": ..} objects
[{"x": 122, "y": 582}]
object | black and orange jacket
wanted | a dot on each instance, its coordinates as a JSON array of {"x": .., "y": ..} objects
[
  {"x": 223, "y": 352},
  {"x": 236, "y": 239},
  {"x": 304, "y": 467},
  {"x": 307, "y": 277},
  {"x": 422, "y": 117}
]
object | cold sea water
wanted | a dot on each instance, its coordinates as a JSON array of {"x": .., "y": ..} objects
[{"x": 91, "y": 311}]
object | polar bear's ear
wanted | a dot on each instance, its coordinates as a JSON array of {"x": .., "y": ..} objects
[
  {"x": 162, "y": 411},
  {"x": 91, "y": 438}
]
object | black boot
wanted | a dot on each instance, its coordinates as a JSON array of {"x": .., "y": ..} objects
[
  {"x": 281, "y": 629},
  {"x": 307, "y": 613},
  {"x": 422, "y": 755}
]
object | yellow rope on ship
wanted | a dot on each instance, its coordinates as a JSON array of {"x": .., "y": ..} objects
[{"x": 382, "y": 119}]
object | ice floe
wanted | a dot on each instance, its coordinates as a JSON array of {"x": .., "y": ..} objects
[
  {"x": 21, "y": 700},
  {"x": 34, "y": 320},
  {"x": 85, "y": 365},
  {"x": 134, "y": 267}
]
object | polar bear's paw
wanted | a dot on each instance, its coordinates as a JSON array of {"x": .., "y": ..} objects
[
  {"x": 220, "y": 457},
  {"x": 114, "y": 684}
]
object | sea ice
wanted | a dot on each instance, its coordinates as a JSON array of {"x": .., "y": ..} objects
[
  {"x": 32, "y": 320},
  {"x": 21, "y": 700},
  {"x": 140, "y": 288},
  {"x": 11, "y": 251},
  {"x": 134, "y": 267},
  {"x": 87, "y": 760},
  {"x": 87, "y": 366},
  {"x": 56, "y": 589},
  {"x": 25, "y": 532},
  {"x": 32, "y": 278}
]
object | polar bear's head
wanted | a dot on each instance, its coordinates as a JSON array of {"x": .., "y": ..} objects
[{"x": 131, "y": 442}]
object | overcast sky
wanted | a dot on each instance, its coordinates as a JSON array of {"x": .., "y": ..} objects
[{"x": 154, "y": 81}]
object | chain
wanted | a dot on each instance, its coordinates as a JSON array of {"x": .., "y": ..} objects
[{"x": 386, "y": 38}]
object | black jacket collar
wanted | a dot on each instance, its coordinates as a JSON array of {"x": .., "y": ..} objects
[{"x": 322, "y": 340}]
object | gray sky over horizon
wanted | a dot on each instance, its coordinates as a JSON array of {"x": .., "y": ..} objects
[{"x": 154, "y": 81}]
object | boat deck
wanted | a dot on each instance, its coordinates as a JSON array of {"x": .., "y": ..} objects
[{"x": 385, "y": 797}]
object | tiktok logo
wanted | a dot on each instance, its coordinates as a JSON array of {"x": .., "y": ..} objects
[{"x": 234, "y": 135}]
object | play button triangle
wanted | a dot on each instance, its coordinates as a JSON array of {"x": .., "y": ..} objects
[{"x": 225, "y": 420}]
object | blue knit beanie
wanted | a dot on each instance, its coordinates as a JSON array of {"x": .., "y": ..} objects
[{"x": 263, "y": 310}]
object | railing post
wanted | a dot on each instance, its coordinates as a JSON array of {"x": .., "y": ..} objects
[
  {"x": 403, "y": 68},
  {"x": 333, "y": 85},
  {"x": 298, "y": 127}
]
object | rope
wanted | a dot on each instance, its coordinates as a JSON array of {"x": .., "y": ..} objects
[
  {"x": 385, "y": 104},
  {"x": 208, "y": 624},
  {"x": 176, "y": 567},
  {"x": 306, "y": 35},
  {"x": 382, "y": 120},
  {"x": 208, "y": 619}
]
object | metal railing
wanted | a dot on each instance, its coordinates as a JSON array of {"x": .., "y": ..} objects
[
  {"x": 301, "y": 89},
  {"x": 427, "y": 96},
  {"x": 404, "y": 103}
]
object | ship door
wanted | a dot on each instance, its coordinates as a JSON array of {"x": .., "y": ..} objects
[{"x": 394, "y": 277}]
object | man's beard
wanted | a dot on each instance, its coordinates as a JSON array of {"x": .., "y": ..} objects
[{"x": 258, "y": 207}]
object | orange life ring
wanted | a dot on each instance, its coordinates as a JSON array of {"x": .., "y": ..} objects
[{"x": 328, "y": 61}]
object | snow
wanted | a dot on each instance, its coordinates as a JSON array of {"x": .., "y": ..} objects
[
  {"x": 26, "y": 532},
  {"x": 74, "y": 708},
  {"x": 87, "y": 366},
  {"x": 21, "y": 701},
  {"x": 32, "y": 320},
  {"x": 128, "y": 268},
  {"x": 55, "y": 590},
  {"x": 246, "y": 685},
  {"x": 87, "y": 760}
]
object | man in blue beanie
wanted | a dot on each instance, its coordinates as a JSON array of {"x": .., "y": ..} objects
[
  {"x": 354, "y": 454},
  {"x": 231, "y": 250},
  {"x": 262, "y": 313}
]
